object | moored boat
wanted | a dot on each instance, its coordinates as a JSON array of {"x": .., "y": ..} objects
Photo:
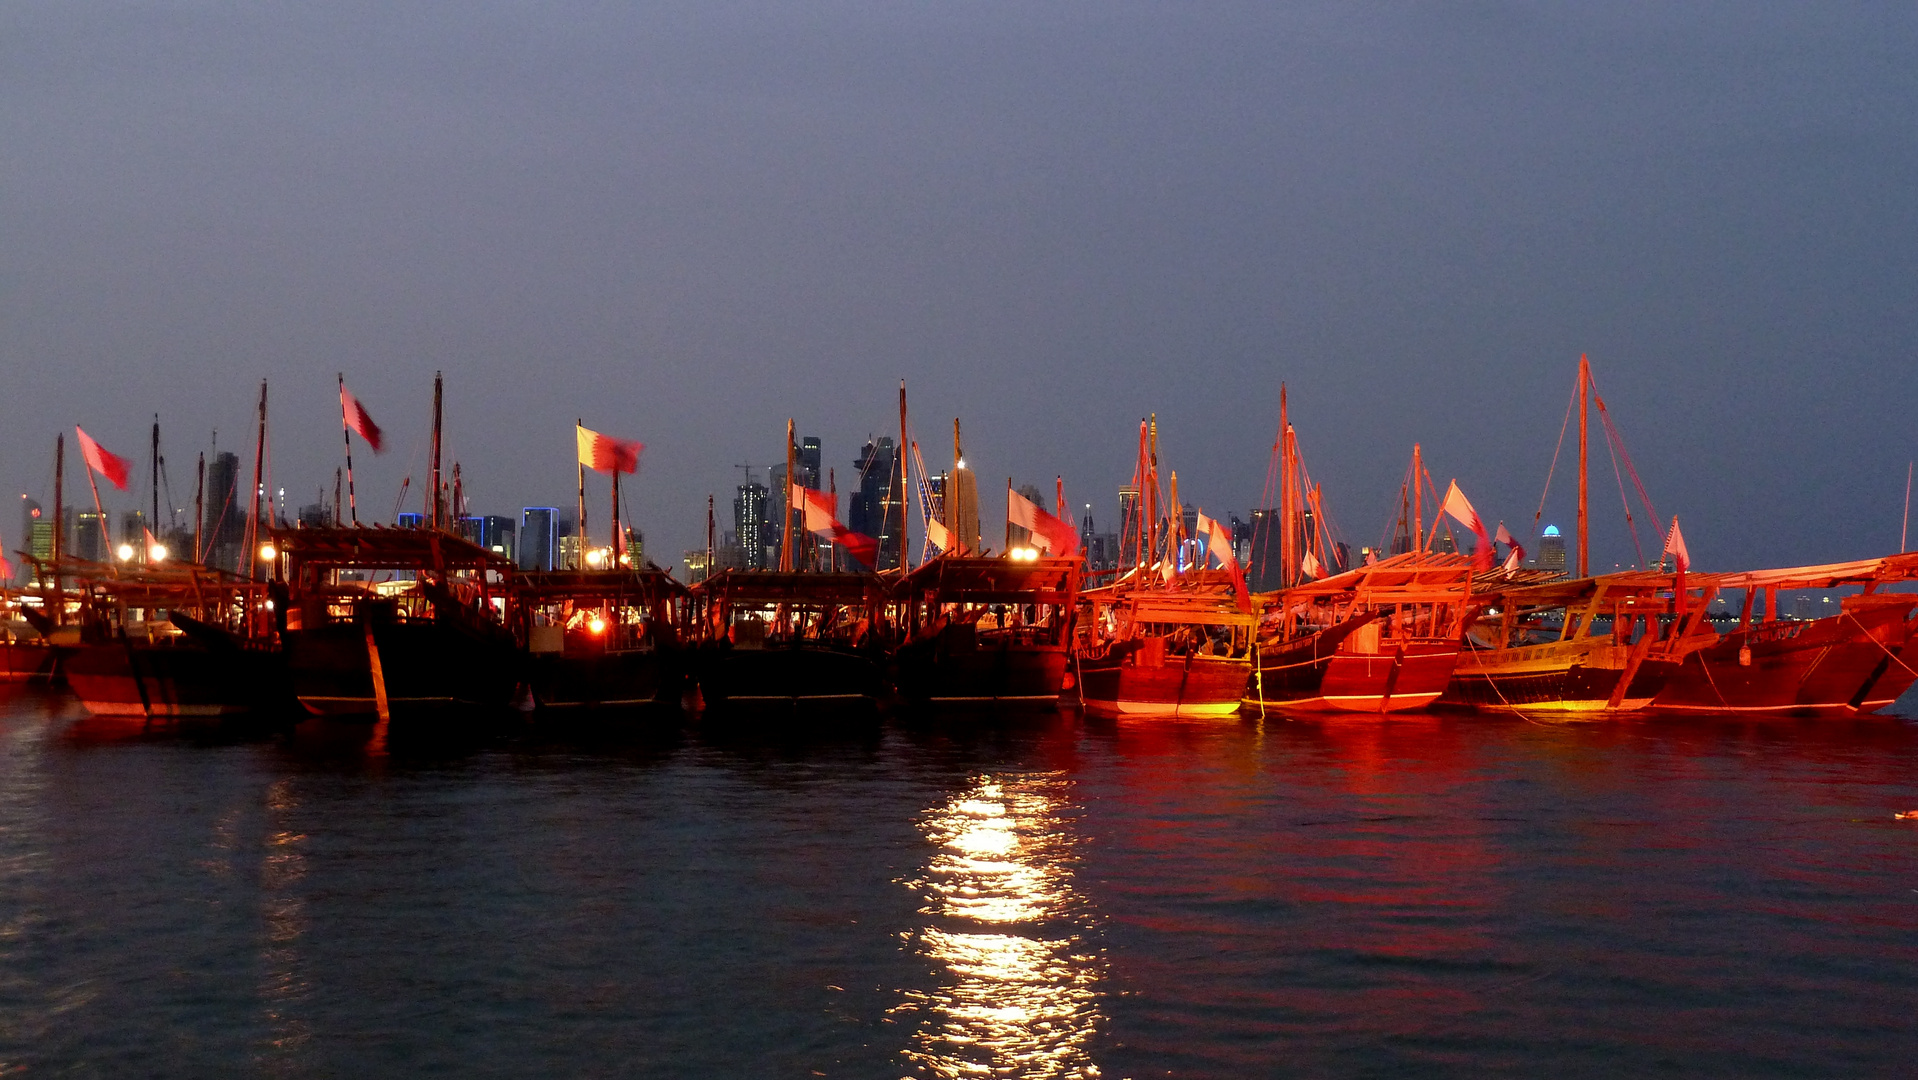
[
  {"x": 1376, "y": 639},
  {"x": 786, "y": 639},
  {"x": 1605, "y": 644},
  {"x": 380, "y": 622},
  {"x": 1183, "y": 651},
  {"x": 603, "y": 638},
  {"x": 1857, "y": 660},
  {"x": 980, "y": 630}
]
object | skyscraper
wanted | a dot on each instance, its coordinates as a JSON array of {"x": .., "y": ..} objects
[
  {"x": 749, "y": 523},
  {"x": 492, "y": 532},
  {"x": 810, "y": 464},
  {"x": 538, "y": 537},
  {"x": 224, "y": 529},
  {"x": 1551, "y": 550},
  {"x": 1129, "y": 525},
  {"x": 877, "y": 507}
]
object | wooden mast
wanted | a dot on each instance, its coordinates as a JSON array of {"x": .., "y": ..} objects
[
  {"x": 905, "y": 485},
  {"x": 1418, "y": 496},
  {"x": 60, "y": 522},
  {"x": 579, "y": 531},
  {"x": 617, "y": 538},
  {"x": 199, "y": 508},
  {"x": 786, "y": 500},
  {"x": 960, "y": 543},
  {"x": 436, "y": 509},
  {"x": 1149, "y": 524},
  {"x": 259, "y": 467},
  {"x": 154, "y": 522},
  {"x": 1289, "y": 569},
  {"x": 1584, "y": 396},
  {"x": 346, "y": 437}
]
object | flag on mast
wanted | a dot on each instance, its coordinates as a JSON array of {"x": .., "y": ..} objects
[
  {"x": 1048, "y": 532},
  {"x": 821, "y": 516},
  {"x": 103, "y": 461},
  {"x": 360, "y": 420},
  {"x": 1515, "y": 557},
  {"x": 1675, "y": 547},
  {"x": 603, "y": 453},
  {"x": 1461, "y": 511}
]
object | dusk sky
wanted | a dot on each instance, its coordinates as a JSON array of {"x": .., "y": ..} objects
[{"x": 687, "y": 222}]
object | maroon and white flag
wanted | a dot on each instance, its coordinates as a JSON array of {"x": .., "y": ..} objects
[
  {"x": 103, "y": 461},
  {"x": 1515, "y": 556},
  {"x": 356, "y": 417},
  {"x": 603, "y": 453},
  {"x": 1048, "y": 532},
  {"x": 1461, "y": 511},
  {"x": 821, "y": 517},
  {"x": 1675, "y": 547}
]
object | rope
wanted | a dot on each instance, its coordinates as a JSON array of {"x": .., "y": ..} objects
[
  {"x": 1563, "y": 424},
  {"x": 1894, "y": 656}
]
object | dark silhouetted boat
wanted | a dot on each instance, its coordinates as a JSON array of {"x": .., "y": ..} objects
[
  {"x": 784, "y": 639},
  {"x": 383, "y": 622},
  {"x": 603, "y": 638},
  {"x": 980, "y": 630}
]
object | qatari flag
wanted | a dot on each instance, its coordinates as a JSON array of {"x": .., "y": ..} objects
[
  {"x": 103, "y": 461},
  {"x": 1461, "y": 511},
  {"x": 358, "y": 419},
  {"x": 606, "y": 454}
]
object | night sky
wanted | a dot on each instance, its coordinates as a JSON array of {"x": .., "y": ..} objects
[{"x": 687, "y": 222}]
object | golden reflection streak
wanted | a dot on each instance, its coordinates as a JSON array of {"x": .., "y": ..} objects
[
  {"x": 283, "y": 912},
  {"x": 1021, "y": 998}
]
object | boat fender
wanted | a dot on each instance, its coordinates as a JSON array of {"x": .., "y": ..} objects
[{"x": 1744, "y": 656}]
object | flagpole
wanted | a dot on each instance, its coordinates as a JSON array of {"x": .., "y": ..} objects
[
  {"x": 616, "y": 536},
  {"x": 1904, "y": 529},
  {"x": 346, "y": 436},
  {"x": 106, "y": 538},
  {"x": 905, "y": 486},
  {"x": 59, "y": 523},
  {"x": 199, "y": 509},
  {"x": 1008, "y": 547},
  {"x": 786, "y": 501},
  {"x": 579, "y": 534}
]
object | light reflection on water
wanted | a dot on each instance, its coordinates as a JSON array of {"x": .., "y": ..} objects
[{"x": 1021, "y": 995}]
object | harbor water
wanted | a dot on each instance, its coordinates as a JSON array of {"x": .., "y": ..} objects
[{"x": 985, "y": 896}]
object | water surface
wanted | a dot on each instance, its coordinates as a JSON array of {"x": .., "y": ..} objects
[{"x": 1052, "y": 897}]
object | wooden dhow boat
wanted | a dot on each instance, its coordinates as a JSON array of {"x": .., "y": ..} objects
[
  {"x": 1591, "y": 645},
  {"x": 786, "y": 639},
  {"x": 795, "y": 638},
  {"x": 1178, "y": 651},
  {"x": 172, "y": 642},
  {"x": 382, "y": 622},
  {"x": 986, "y": 630},
  {"x": 1379, "y": 638},
  {"x": 603, "y": 638},
  {"x": 1165, "y": 639},
  {"x": 1856, "y": 660}
]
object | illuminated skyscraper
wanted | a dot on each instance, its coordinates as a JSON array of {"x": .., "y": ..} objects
[
  {"x": 538, "y": 537},
  {"x": 749, "y": 524},
  {"x": 1551, "y": 550}
]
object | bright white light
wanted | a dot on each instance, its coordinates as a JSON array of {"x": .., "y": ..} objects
[
  {"x": 157, "y": 553},
  {"x": 597, "y": 626},
  {"x": 125, "y": 551},
  {"x": 268, "y": 553}
]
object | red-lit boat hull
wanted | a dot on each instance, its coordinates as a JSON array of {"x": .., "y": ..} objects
[
  {"x": 1855, "y": 662},
  {"x": 1188, "y": 686}
]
